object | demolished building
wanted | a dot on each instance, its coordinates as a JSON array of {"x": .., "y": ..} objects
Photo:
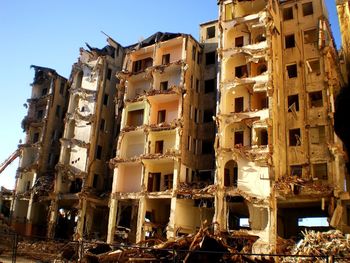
[
  {"x": 165, "y": 149},
  {"x": 39, "y": 153},
  {"x": 161, "y": 137},
  {"x": 80, "y": 197}
]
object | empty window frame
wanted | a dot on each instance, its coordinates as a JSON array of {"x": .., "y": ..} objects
[
  {"x": 320, "y": 171},
  {"x": 293, "y": 103},
  {"x": 44, "y": 92},
  {"x": 296, "y": 170},
  {"x": 239, "y": 138},
  {"x": 197, "y": 86},
  {"x": 109, "y": 74},
  {"x": 239, "y": 104},
  {"x": 105, "y": 99},
  {"x": 292, "y": 71},
  {"x": 102, "y": 125},
  {"x": 210, "y": 32},
  {"x": 161, "y": 116},
  {"x": 210, "y": 58},
  {"x": 58, "y": 111},
  {"x": 317, "y": 135},
  {"x": 62, "y": 88},
  {"x": 35, "y": 137},
  {"x": 141, "y": 65},
  {"x": 241, "y": 71},
  {"x": 239, "y": 41},
  {"x": 95, "y": 181},
  {"x": 168, "y": 181},
  {"x": 287, "y": 13},
  {"x": 165, "y": 59},
  {"x": 311, "y": 36},
  {"x": 158, "y": 148},
  {"x": 313, "y": 66},
  {"x": 294, "y": 137},
  {"x": 163, "y": 86},
  {"x": 262, "y": 137},
  {"x": 153, "y": 184},
  {"x": 40, "y": 114},
  {"x": 194, "y": 50},
  {"x": 135, "y": 118},
  {"x": 99, "y": 152},
  {"x": 207, "y": 147},
  {"x": 209, "y": 85},
  {"x": 316, "y": 99},
  {"x": 208, "y": 115},
  {"x": 307, "y": 9},
  {"x": 289, "y": 41}
]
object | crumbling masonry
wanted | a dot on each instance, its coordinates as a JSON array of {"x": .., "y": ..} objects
[{"x": 163, "y": 136}]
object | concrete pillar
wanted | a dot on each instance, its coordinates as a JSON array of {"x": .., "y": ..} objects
[
  {"x": 53, "y": 218},
  {"x": 81, "y": 220},
  {"x": 140, "y": 219},
  {"x": 113, "y": 207}
]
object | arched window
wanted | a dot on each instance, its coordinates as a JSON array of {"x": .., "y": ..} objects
[{"x": 231, "y": 174}]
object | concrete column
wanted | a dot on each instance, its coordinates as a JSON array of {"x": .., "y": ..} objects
[
  {"x": 30, "y": 214},
  {"x": 140, "y": 219},
  {"x": 81, "y": 220},
  {"x": 171, "y": 228},
  {"x": 112, "y": 219},
  {"x": 53, "y": 218}
]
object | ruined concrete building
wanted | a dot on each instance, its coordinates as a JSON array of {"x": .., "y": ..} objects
[
  {"x": 166, "y": 134},
  {"x": 343, "y": 8},
  {"x": 40, "y": 151},
  {"x": 83, "y": 181},
  {"x": 165, "y": 159}
]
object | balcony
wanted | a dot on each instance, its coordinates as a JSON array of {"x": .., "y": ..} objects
[
  {"x": 132, "y": 145},
  {"x": 243, "y": 11},
  {"x": 159, "y": 176}
]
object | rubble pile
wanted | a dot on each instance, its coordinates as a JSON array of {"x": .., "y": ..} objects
[
  {"x": 47, "y": 251},
  {"x": 43, "y": 185},
  {"x": 201, "y": 247},
  {"x": 290, "y": 185},
  {"x": 330, "y": 243}
]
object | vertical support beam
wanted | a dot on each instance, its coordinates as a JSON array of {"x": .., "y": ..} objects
[
  {"x": 171, "y": 229},
  {"x": 112, "y": 219},
  {"x": 140, "y": 219},
  {"x": 53, "y": 218},
  {"x": 81, "y": 220}
]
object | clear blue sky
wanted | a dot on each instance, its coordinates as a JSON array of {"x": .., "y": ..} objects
[{"x": 50, "y": 33}]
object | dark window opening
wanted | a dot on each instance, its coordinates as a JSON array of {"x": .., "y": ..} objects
[
  {"x": 314, "y": 66},
  {"x": 210, "y": 58},
  {"x": 164, "y": 85},
  {"x": 141, "y": 65},
  {"x": 207, "y": 147},
  {"x": 99, "y": 152},
  {"x": 109, "y": 73},
  {"x": 58, "y": 111},
  {"x": 62, "y": 88},
  {"x": 311, "y": 36},
  {"x": 165, "y": 59},
  {"x": 161, "y": 116},
  {"x": 260, "y": 38},
  {"x": 293, "y": 103},
  {"x": 95, "y": 181},
  {"x": 36, "y": 137},
  {"x": 75, "y": 186},
  {"x": 210, "y": 32},
  {"x": 159, "y": 147},
  {"x": 241, "y": 71},
  {"x": 288, "y": 13},
  {"x": 320, "y": 171},
  {"x": 239, "y": 104},
  {"x": 316, "y": 99},
  {"x": 317, "y": 135},
  {"x": 290, "y": 41},
  {"x": 308, "y": 9},
  {"x": 239, "y": 138},
  {"x": 153, "y": 182},
  {"x": 105, "y": 99},
  {"x": 296, "y": 170},
  {"x": 40, "y": 114},
  {"x": 44, "y": 92},
  {"x": 263, "y": 137},
  {"x": 239, "y": 41},
  {"x": 194, "y": 50},
  {"x": 261, "y": 69},
  {"x": 168, "y": 181},
  {"x": 208, "y": 116},
  {"x": 197, "y": 85},
  {"x": 199, "y": 58},
  {"x": 292, "y": 71},
  {"x": 209, "y": 86},
  {"x": 231, "y": 174},
  {"x": 135, "y": 118},
  {"x": 102, "y": 124},
  {"x": 294, "y": 137}
]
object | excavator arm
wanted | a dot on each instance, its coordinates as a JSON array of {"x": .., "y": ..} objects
[{"x": 9, "y": 160}]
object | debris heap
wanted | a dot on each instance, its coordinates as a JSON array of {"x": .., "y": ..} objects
[{"x": 330, "y": 243}]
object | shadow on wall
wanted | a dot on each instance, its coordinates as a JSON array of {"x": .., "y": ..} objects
[{"x": 341, "y": 119}]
